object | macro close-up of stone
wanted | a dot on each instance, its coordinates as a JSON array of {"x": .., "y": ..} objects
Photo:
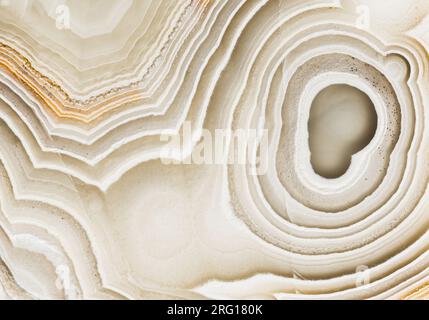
[{"x": 214, "y": 149}]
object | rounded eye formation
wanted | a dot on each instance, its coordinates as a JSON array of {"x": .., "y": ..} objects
[{"x": 342, "y": 122}]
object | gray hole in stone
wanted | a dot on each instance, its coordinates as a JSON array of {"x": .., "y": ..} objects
[{"x": 342, "y": 122}]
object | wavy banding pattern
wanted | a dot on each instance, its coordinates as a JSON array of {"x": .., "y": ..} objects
[{"x": 96, "y": 202}]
